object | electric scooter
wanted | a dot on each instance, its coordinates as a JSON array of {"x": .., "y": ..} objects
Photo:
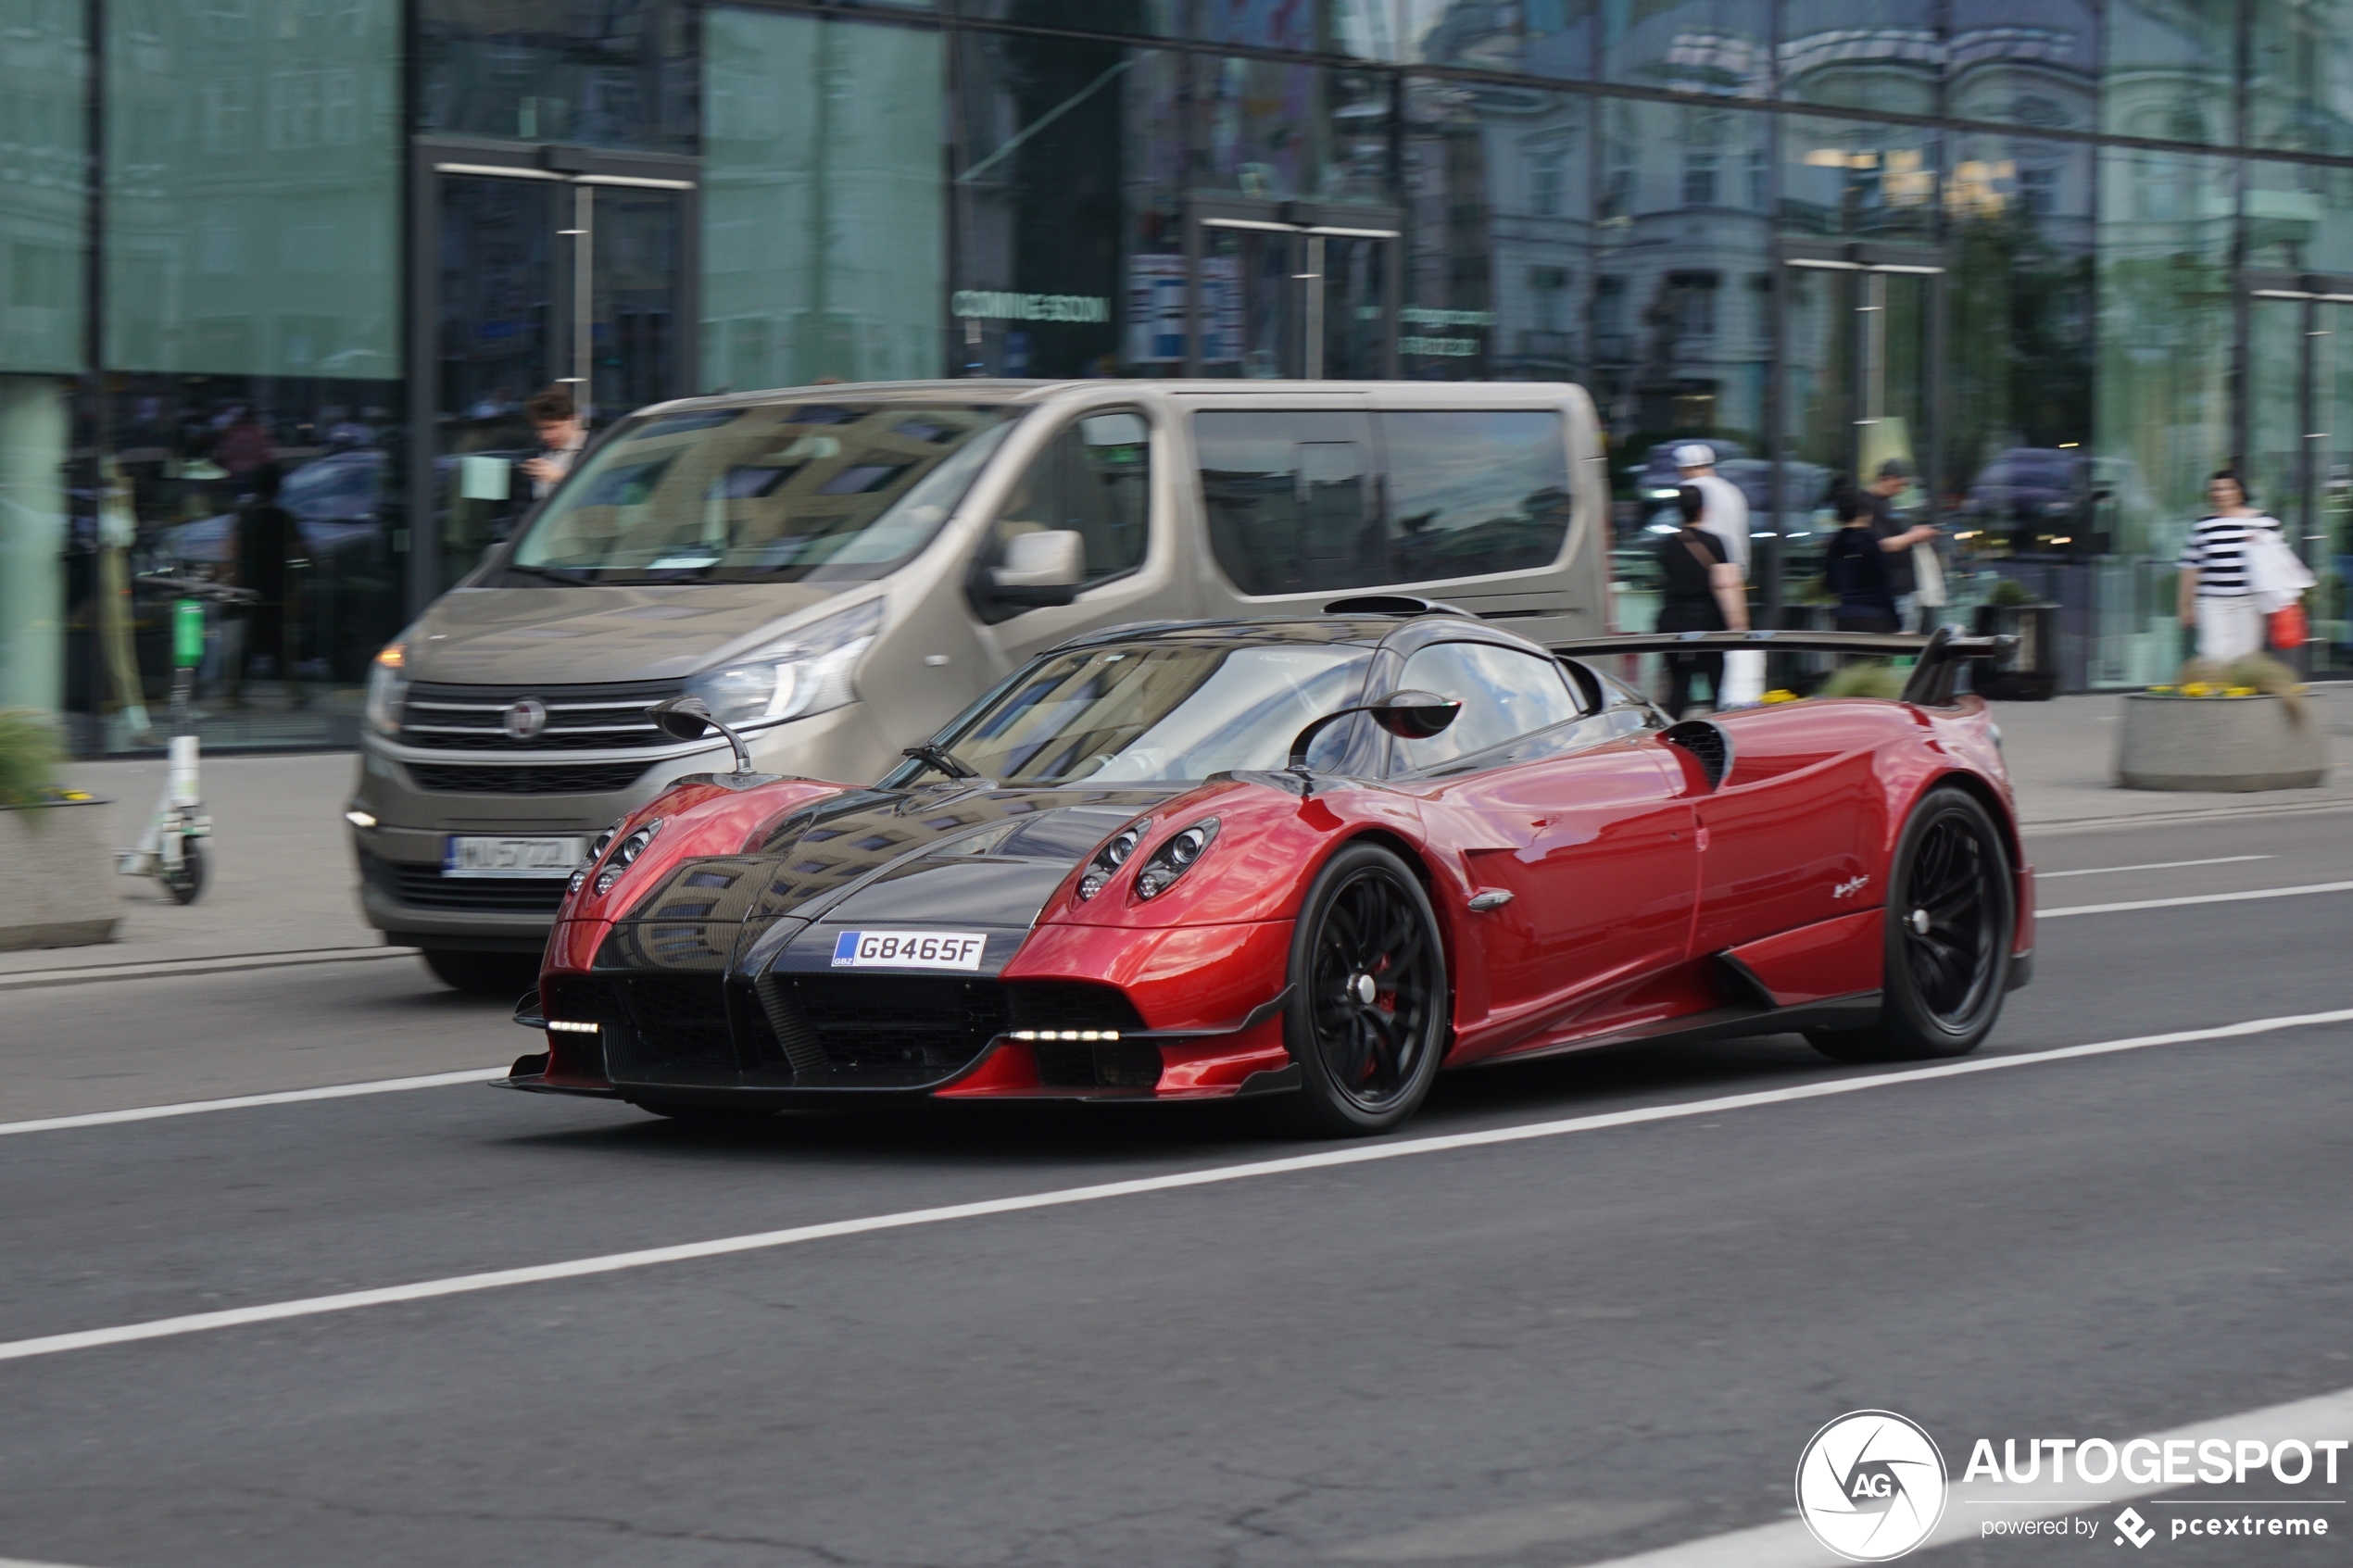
[{"x": 168, "y": 850}]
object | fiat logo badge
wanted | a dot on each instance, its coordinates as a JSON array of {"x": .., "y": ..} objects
[{"x": 524, "y": 720}]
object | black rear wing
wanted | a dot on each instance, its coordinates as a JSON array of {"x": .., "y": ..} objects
[{"x": 1938, "y": 655}]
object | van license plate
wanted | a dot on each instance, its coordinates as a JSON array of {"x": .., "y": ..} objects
[{"x": 475, "y": 856}]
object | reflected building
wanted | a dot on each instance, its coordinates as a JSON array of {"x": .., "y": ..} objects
[{"x": 2061, "y": 259}]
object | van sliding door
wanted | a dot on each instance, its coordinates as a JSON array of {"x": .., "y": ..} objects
[{"x": 1293, "y": 500}]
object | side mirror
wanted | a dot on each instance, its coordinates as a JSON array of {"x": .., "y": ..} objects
[
  {"x": 1054, "y": 558},
  {"x": 689, "y": 718},
  {"x": 1409, "y": 715}
]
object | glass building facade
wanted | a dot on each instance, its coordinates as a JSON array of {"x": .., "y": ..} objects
[{"x": 276, "y": 276}]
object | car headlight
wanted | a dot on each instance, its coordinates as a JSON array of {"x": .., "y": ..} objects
[
  {"x": 1111, "y": 857},
  {"x": 808, "y": 673},
  {"x": 1175, "y": 858},
  {"x": 387, "y": 688},
  {"x": 631, "y": 847}
]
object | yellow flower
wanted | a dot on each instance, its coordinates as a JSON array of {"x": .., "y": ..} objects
[
  {"x": 2240, "y": 691},
  {"x": 2162, "y": 691},
  {"x": 1780, "y": 695}
]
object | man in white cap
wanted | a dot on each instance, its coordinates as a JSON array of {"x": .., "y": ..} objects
[{"x": 1724, "y": 513}]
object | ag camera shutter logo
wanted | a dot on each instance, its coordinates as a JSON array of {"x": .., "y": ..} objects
[{"x": 1870, "y": 1486}]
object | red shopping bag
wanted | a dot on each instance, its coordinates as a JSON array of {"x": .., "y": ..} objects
[{"x": 2288, "y": 629}]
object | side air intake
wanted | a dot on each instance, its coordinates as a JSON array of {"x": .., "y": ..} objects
[{"x": 1708, "y": 744}]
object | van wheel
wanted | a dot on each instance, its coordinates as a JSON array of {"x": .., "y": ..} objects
[{"x": 484, "y": 975}]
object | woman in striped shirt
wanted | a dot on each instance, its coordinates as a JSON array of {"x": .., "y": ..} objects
[{"x": 2216, "y": 600}]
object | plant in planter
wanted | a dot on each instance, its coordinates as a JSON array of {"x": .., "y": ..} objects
[
  {"x": 1870, "y": 678},
  {"x": 2237, "y": 727},
  {"x": 59, "y": 892}
]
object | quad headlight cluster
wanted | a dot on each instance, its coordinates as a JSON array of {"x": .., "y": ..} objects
[
  {"x": 631, "y": 847},
  {"x": 1162, "y": 868}
]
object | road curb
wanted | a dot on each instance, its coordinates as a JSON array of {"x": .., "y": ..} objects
[
  {"x": 157, "y": 969},
  {"x": 2197, "y": 815}
]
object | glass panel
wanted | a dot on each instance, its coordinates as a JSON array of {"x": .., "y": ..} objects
[
  {"x": 1858, "y": 180},
  {"x": 500, "y": 342},
  {"x": 288, "y": 486},
  {"x": 1250, "y": 303},
  {"x": 1817, "y": 420},
  {"x": 1504, "y": 695},
  {"x": 634, "y": 329},
  {"x": 43, "y": 212},
  {"x": 253, "y": 189},
  {"x": 1475, "y": 493},
  {"x": 2161, "y": 388},
  {"x": 1292, "y": 501},
  {"x": 822, "y": 201},
  {"x": 1279, "y": 131},
  {"x": 1862, "y": 54},
  {"x": 1499, "y": 180},
  {"x": 1094, "y": 480},
  {"x": 2298, "y": 217},
  {"x": 2029, "y": 63},
  {"x": 2166, "y": 71},
  {"x": 620, "y": 74},
  {"x": 811, "y": 491},
  {"x": 1724, "y": 46},
  {"x": 1551, "y": 38},
  {"x": 2275, "y": 470},
  {"x": 1356, "y": 306},
  {"x": 2015, "y": 464},
  {"x": 2331, "y": 552},
  {"x": 2300, "y": 95},
  {"x": 33, "y": 427},
  {"x": 1068, "y": 154}
]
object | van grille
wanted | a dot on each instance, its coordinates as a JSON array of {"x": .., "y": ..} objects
[
  {"x": 424, "y": 887},
  {"x": 525, "y": 778},
  {"x": 583, "y": 718}
]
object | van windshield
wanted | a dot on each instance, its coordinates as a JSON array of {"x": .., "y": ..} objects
[{"x": 795, "y": 491}]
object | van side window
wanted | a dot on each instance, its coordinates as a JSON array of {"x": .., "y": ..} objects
[
  {"x": 1093, "y": 478},
  {"x": 1293, "y": 498},
  {"x": 1506, "y": 694},
  {"x": 1473, "y": 490}
]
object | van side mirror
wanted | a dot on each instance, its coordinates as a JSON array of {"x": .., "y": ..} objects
[{"x": 1053, "y": 557}]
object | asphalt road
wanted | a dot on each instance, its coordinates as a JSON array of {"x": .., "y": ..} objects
[{"x": 1556, "y": 1351}]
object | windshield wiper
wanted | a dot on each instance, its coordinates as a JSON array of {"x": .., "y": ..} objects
[
  {"x": 553, "y": 574},
  {"x": 942, "y": 759}
]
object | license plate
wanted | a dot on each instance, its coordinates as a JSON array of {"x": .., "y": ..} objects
[
  {"x": 909, "y": 949},
  {"x": 475, "y": 856}
]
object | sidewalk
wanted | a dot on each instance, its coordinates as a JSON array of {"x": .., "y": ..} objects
[{"x": 282, "y": 878}]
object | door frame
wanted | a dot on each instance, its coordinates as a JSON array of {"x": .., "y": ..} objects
[
  {"x": 1311, "y": 223},
  {"x": 583, "y": 170},
  {"x": 2313, "y": 289}
]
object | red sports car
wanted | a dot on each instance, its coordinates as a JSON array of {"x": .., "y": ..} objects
[{"x": 1316, "y": 862}]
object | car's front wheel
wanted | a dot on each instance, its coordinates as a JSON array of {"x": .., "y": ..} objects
[
  {"x": 1368, "y": 1013},
  {"x": 1951, "y": 915}
]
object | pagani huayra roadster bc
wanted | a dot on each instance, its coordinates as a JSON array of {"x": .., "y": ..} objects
[{"x": 1316, "y": 862}]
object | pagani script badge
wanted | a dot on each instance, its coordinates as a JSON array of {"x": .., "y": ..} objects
[
  {"x": 1850, "y": 888},
  {"x": 1871, "y": 1486},
  {"x": 524, "y": 720}
]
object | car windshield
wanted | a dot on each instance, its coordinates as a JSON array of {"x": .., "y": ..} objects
[
  {"x": 795, "y": 491},
  {"x": 1160, "y": 711}
]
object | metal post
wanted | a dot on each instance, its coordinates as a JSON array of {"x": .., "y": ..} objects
[
  {"x": 1312, "y": 361},
  {"x": 584, "y": 269}
]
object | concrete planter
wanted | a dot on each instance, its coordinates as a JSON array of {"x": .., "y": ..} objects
[
  {"x": 2218, "y": 742},
  {"x": 59, "y": 889}
]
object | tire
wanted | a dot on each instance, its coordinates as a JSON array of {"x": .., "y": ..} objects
[
  {"x": 1951, "y": 918},
  {"x": 186, "y": 884},
  {"x": 1365, "y": 1063},
  {"x": 714, "y": 1116},
  {"x": 503, "y": 975}
]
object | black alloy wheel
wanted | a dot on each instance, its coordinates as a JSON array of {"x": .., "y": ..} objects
[
  {"x": 1951, "y": 914},
  {"x": 1368, "y": 1008}
]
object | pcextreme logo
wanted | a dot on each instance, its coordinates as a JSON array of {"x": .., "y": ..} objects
[{"x": 1870, "y": 1486}]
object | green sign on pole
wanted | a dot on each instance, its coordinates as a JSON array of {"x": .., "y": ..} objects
[{"x": 187, "y": 634}]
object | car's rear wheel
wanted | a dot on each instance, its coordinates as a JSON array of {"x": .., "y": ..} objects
[
  {"x": 1951, "y": 915},
  {"x": 1368, "y": 1013},
  {"x": 503, "y": 975}
]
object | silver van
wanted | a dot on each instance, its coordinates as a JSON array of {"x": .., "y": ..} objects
[{"x": 840, "y": 569}]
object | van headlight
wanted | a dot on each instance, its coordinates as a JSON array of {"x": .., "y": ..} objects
[
  {"x": 387, "y": 688},
  {"x": 807, "y": 672}
]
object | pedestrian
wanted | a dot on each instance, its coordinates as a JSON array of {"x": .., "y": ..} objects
[
  {"x": 561, "y": 435},
  {"x": 1856, "y": 569},
  {"x": 1701, "y": 593},
  {"x": 1904, "y": 545},
  {"x": 268, "y": 545},
  {"x": 1724, "y": 513},
  {"x": 2217, "y": 602}
]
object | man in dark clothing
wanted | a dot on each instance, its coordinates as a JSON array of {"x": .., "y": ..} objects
[
  {"x": 1857, "y": 570},
  {"x": 267, "y": 540},
  {"x": 1896, "y": 537}
]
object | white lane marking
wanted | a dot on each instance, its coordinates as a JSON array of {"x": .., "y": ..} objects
[
  {"x": 241, "y": 1103},
  {"x": 28, "y": 1563},
  {"x": 2155, "y": 866},
  {"x": 2196, "y": 899},
  {"x": 615, "y": 1262},
  {"x": 1787, "y": 1544},
  {"x": 157, "y": 969}
]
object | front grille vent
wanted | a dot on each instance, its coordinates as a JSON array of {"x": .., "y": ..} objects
[
  {"x": 424, "y": 887},
  {"x": 578, "y": 718},
  {"x": 525, "y": 778}
]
